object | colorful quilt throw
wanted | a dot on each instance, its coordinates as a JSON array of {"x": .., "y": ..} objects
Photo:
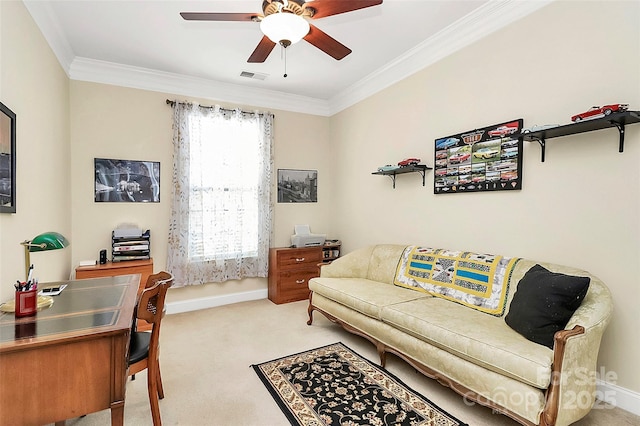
[{"x": 479, "y": 281}]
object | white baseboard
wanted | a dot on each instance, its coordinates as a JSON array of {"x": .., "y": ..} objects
[
  {"x": 620, "y": 397},
  {"x": 608, "y": 393},
  {"x": 213, "y": 301}
]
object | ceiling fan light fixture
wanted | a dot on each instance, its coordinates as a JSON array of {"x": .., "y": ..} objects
[{"x": 284, "y": 27}]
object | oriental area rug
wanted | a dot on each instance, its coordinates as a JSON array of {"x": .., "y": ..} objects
[{"x": 333, "y": 385}]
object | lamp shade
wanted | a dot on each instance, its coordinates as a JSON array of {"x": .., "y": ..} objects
[
  {"x": 284, "y": 26},
  {"x": 48, "y": 241}
]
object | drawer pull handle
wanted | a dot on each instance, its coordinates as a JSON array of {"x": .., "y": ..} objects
[
  {"x": 299, "y": 259},
  {"x": 300, "y": 281}
]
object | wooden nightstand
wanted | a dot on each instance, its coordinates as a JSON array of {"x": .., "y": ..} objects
[{"x": 290, "y": 270}]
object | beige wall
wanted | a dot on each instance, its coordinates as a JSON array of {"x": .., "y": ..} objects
[
  {"x": 580, "y": 207},
  {"x": 123, "y": 123},
  {"x": 34, "y": 86}
]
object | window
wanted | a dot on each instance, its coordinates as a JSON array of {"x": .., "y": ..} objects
[
  {"x": 221, "y": 206},
  {"x": 225, "y": 178}
]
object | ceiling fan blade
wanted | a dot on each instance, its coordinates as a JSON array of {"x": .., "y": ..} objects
[
  {"x": 325, "y": 8},
  {"x": 326, "y": 43},
  {"x": 262, "y": 51},
  {"x": 206, "y": 16}
]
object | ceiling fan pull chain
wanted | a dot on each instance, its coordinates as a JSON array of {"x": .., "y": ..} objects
[{"x": 285, "y": 61}]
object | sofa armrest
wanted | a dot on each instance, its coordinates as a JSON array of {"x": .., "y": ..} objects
[
  {"x": 351, "y": 265},
  {"x": 572, "y": 392}
]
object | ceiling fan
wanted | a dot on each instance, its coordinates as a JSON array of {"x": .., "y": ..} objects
[{"x": 287, "y": 21}]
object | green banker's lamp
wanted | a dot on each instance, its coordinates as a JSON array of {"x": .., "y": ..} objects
[{"x": 42, "y": 242}]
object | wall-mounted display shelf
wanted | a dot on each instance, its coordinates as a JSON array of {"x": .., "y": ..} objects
[
  {"x": 418, "y": 168},
  {"x": 618, "y": 120}
]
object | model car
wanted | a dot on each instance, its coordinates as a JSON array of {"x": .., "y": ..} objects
[
  {"x": 387, "y": 168},
  {"x": 539, "y": 127},
  {"x": 409, "y": 162},
  {"x": 599, "y": 111},
  {"x": 502, "y": 131},
  {"x": 446, "y": 143}
]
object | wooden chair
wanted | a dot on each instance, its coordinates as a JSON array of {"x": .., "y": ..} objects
[{"x": 144, "y": 348}]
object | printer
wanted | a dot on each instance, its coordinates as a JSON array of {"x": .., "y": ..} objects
[{"x": 304, "y": 238}]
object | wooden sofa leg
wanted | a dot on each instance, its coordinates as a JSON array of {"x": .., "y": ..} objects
[
  {"x": 381, "y": 353},
  {"x": 310, "y": 310}
]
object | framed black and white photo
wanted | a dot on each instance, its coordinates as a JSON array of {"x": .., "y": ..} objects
[
  {"x": 297, "y": 186},
  {"x": 127, "y": 181},
  {"x": 7, "y": 160}
]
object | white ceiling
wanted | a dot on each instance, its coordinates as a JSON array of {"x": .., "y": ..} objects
[{"x": 146, "y": 44}]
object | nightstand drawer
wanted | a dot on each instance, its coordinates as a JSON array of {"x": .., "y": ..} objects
[
  {"x": 297, "y": 279},
  {"x": 297, "y": 257}
]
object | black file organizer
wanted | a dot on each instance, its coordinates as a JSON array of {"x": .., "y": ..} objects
[{"x": 131, "y": 248}]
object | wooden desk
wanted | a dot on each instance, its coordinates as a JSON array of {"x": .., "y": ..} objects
[
  {"x": 69, "y": 359},
  {"x": 112, "y": 269}
]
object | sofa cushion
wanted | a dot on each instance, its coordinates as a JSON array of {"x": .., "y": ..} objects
[
  {"x": 478, "y": 281},
  {"x": 482, "y": 339},
  {"x": 544, "y": 303},
  {"x": 365, "y": 296}
]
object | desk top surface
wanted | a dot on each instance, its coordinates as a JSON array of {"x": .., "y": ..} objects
[{"x": 85, "y": 308}]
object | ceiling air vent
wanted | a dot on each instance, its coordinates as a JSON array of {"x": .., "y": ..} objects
[{"x": 254, "y": 75}]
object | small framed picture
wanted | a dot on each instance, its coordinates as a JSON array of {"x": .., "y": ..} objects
[
  {"x": 7, "y": 160},
  {"x": 127, "y": 181},
  {"x": 297, "y": 186}
]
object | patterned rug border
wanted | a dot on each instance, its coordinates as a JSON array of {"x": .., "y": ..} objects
[{"x": 291, "y": 416}]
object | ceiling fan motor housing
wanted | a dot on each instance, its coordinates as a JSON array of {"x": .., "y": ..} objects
[{"x": 296, "y": 7}]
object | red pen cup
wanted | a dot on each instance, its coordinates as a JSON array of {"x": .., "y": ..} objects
[{"x": 26, "y": 303}]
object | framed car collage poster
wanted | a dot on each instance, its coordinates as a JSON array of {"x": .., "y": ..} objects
[{"x": 486, "y": 159}]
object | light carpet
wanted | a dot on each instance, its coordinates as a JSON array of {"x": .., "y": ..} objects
[{"x": 205, "y": 357}]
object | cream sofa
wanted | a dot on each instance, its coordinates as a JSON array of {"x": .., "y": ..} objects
[{"x": 476, "y": 354}]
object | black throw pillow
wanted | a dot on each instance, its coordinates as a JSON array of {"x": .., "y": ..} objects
[{"x": 544, "y": 303}]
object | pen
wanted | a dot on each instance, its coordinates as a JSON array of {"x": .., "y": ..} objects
[{"x": 29, "y": 274}]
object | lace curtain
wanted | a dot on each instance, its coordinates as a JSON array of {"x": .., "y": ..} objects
[{"x": 221, "y": 208}]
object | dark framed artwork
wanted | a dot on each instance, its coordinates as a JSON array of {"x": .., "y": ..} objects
[
  {"x": 7, "y": 160},
  {"x": 486, "y": 159},
  {"x": 297, "y": 186},
  {"x": 127, "y": 181}
]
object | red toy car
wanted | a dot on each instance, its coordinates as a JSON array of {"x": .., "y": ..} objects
[
  {"x": 597, "y": 112},
  {"x": 409, "y": 162}
]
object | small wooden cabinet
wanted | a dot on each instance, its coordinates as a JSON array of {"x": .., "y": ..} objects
[
  {"x": 290, "y": 270},
  {"x": 112, "y": 269}
]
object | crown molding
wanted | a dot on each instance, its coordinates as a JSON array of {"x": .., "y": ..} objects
[
  {"x": 85, "y": 69},
  {"x": 485, "y": 20}
]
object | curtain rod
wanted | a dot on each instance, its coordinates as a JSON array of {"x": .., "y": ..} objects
[{"x": 172, "y": 103}]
